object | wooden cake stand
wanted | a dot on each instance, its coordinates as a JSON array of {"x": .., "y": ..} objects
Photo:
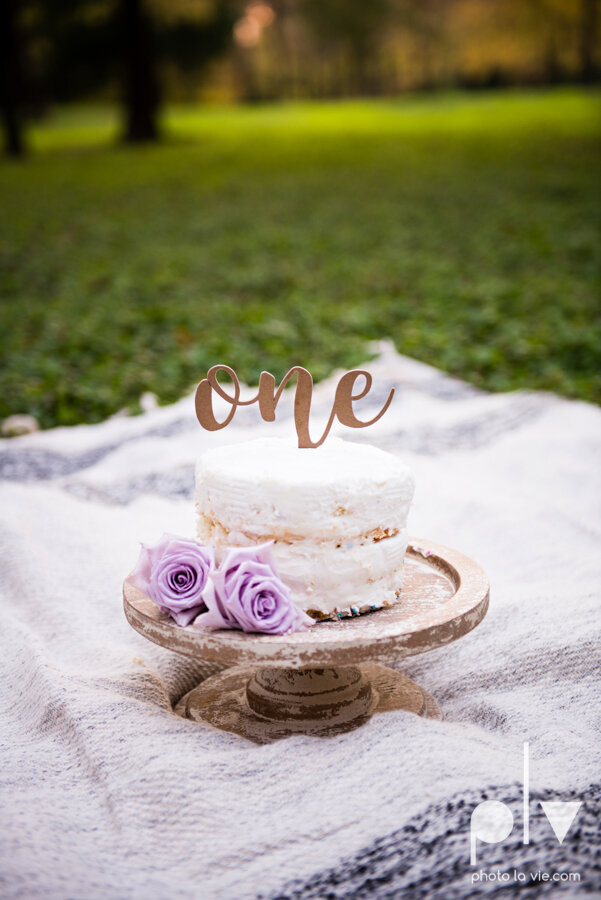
[{"x": 329, "y": 679}]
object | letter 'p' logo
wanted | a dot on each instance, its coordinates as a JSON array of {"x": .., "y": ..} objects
[{"x": 491, "y": 822}]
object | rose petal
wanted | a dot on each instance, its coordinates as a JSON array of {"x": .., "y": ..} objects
[
  {"x": 140, "y": 576},
  {"x": 250, "y": 595},
  {"x": 174, "y": 573}
]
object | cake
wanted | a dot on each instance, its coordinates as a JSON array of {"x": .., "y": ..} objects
[{"x": 337, "y": 517}]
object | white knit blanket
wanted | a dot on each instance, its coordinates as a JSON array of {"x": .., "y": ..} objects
[{"x": 106, "y": 793}]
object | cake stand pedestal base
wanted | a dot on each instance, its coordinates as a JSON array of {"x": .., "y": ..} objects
[{"x": 264, "y": 705}]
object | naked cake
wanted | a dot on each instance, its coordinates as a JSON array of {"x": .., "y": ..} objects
[{"x": 336, "y": 517}]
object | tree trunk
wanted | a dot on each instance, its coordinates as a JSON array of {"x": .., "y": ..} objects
[
  {"x": 140, "y": 86},
  {"x": 588, "y": 39},
  {"x": 10, "y": 79}
]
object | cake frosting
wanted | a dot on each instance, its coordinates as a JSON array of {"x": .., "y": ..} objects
[{"x": 337, "y": 517}]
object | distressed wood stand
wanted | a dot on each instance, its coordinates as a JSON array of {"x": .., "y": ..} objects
[{"x": 329, "y": 679}]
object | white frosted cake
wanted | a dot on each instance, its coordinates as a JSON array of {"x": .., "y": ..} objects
[{"x": 337, "y": 516}]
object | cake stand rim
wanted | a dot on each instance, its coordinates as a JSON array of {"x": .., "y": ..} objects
[{"x": 457, "y": 616}]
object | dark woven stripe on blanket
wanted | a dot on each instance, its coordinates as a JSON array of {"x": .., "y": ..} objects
[{"x": 430, "y": 858}]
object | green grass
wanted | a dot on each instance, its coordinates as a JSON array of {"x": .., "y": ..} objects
[{"x": 464, "y": 227}]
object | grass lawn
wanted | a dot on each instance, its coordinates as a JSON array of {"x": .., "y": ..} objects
[{"x": 464, "y": 227}]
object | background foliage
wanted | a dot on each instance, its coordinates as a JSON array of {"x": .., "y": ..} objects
[{"x": 465, "y": 227}]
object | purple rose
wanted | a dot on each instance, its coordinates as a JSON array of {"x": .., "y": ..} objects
[
  {"x": 175, "y": 575},
  {"x": 250, "y": 596}
]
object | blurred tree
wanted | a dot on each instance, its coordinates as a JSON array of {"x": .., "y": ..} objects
[
  {"x": 11, "y": 84},
  {"x": 126, "y": 42},
  {"x": 86, "y": 47},
  {"x": 589, "y": 35},
  {"x": 568, "y": 33},
  {"x": 139, "y": 61},
  {"x": 354, "y": 27}
]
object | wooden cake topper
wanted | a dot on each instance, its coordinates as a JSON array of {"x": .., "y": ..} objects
[{"x": 267, "y": 397}]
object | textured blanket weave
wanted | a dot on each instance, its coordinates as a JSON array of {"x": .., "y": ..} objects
[{"x": 107, "y": 794}]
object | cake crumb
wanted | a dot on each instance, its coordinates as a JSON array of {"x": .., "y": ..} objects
[{"x": 317, "y": 614}]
